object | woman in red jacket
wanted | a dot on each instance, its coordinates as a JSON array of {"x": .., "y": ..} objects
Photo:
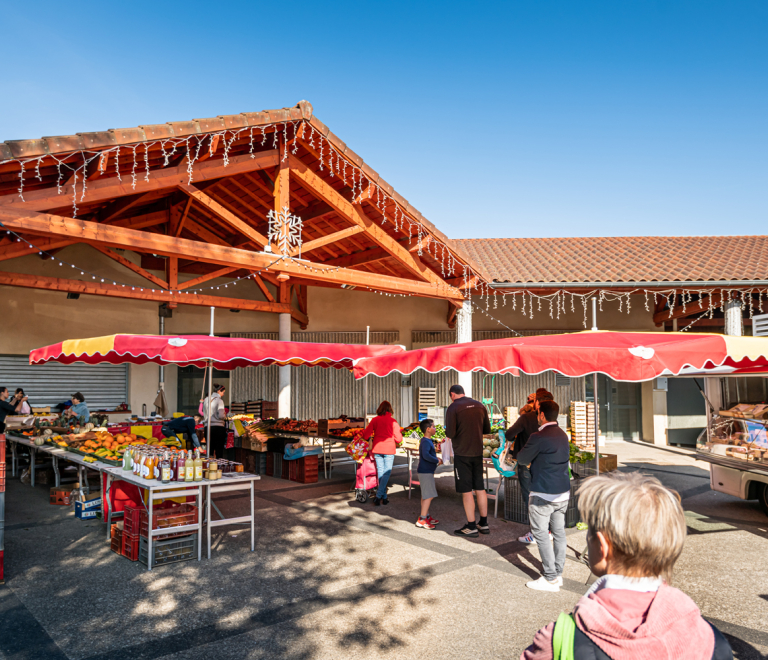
[{"x": 386, "y": 438}]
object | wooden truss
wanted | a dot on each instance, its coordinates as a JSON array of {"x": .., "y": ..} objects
[{"x": 208, "y": 219}]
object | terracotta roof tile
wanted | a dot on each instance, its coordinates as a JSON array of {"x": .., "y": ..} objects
[{"x": 621, "y": 259}]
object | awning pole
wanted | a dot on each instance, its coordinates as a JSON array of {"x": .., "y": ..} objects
[
  {"x": 597, "y": 402},
  {"x": 210, "y": 395},
  {"x": 210, "y": 406},
  {"x": 597, "y": 425},
  {"x": 365, "y": 380}
]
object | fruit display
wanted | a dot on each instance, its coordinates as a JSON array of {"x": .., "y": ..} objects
[
  {"x": 345, "y": 434},
  {"x": 489, "y": 444},
  {"x": 288, "y": 425},
  {"x": 103, "y": 445}
]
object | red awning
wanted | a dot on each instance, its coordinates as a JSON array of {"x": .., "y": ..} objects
[
  {"x": 198, "y": 350},
  {"x": 624, "y": 356}
]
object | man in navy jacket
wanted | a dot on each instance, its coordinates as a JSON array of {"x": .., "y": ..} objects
[{"x": 547, "y": 455}]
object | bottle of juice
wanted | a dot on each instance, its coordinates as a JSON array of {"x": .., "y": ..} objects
[
  {"x": 172, "y": 461},
  {"x": 165, "y": 469},
  {"x": 150, "y": 467},
  {"x": 190, "y": 467},
  {"x": 140, "y": 464},
  {"x": 181, "y": 470},
  {"x": 198, "y": 466}
]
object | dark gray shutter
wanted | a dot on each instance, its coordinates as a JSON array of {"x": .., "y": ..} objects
[{"x": 104, "y": 386}]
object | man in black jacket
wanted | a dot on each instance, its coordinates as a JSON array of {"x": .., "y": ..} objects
[
  {"x": 547, "y": 454},
  {"x": 466, "y": 420}
]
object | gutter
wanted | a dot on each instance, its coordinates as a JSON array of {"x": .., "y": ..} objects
[{"x": 708, "y": 284}]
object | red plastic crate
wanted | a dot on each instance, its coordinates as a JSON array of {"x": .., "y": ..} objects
[
  {"x": 177, "y": 516},
  {"x": 131, "y": 546},
  {"x": 303, "y": 470},
  {"x": 2, "y": 451},
  {"x": 131, "y": 519}
]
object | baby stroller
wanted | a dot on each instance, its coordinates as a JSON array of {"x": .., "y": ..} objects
[{"x": 366, "y": 479}]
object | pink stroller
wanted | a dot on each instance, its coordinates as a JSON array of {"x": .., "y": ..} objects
[{"x": 366, "y": 479}]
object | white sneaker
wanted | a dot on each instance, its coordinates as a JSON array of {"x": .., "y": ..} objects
[
  {"x": 528, "y": 538},
  {"x": 559, "y": 580},
  {"x": 542, "y": 584}
]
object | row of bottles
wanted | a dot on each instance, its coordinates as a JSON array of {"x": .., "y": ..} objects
[{"x": 165, "y": 467}]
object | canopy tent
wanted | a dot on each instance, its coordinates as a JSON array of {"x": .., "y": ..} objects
[
  {"x": 202, "y": 351},
  {"x": 622, "y": 356},
  {"x": 206, "y": 351}
]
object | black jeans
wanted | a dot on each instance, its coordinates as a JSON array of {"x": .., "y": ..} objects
[
  {"x": 218, "y": 441},
  {"x": 524, "y": 477}
]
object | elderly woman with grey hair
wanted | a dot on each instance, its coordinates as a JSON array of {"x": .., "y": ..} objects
[{"x": 636, "y": 534}]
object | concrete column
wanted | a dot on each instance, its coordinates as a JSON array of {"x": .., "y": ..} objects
[
  {"x": 734, "y": 324},
  {"x": 463, "y": 336},
  {"x": 284, "y": 380}
]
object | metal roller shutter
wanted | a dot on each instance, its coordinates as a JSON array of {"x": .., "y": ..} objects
[{"x": 104, "y": 386}]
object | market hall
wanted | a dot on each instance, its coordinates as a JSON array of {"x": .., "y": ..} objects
[{"x": 272, "y": 221}]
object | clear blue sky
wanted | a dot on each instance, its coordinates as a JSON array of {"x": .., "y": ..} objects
[{"x": 494, "y": 119}]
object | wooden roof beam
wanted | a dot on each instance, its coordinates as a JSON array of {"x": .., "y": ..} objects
[
  {"x": 260, "y": 283},
  {"x": 221, "y": 272},
  {"x": 325, "y": 240},
  {"x": 359, "y": 258},
  {"x": 136, "y": 293},
  {"x": 107, "y": 188},
  {"x": 86, "y": 231},
  {"x": 224, "y": 214},
  {"x": 127, "y": 263},
  {"x": 354, "y": 213}
]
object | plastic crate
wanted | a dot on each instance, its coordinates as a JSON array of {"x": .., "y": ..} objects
[
  {"x": 177, "y": 516},
  {"x": 116, "y": 542},
  {"x": 169, "y": 551},
  {"x": 515, "y": 510},
  {"x": 303, "y": 470},
  {"x": 131, "y": 519},
  {"x": 131, "y": 546},
  {"x": 276, "y": 465},
  {"x": 2, "y": 451},
  {"x": 256, "y": 462},
  {"x": 60, "y": 495}
]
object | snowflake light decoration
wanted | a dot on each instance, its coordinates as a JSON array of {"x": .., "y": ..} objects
[{"x": 285, "y": 231}]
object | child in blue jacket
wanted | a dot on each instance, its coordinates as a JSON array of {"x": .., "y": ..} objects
[{"x": 428, "y": 463}]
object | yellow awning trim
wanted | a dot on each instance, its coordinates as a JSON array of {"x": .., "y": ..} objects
[
  {"x": 92, "y": 346},
  {"x": 746, "y": 347}
]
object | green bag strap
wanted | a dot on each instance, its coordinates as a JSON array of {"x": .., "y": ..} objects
[{"x": 563, "y": 636}]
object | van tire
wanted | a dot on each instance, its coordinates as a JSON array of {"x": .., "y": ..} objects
[{"x": 762, "y": 497}]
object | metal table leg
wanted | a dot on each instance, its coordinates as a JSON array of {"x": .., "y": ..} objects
[
  {"x": 150, "y": 556},
  {"x": 14, "y": 458},
  {"x": 55, "y": 461},
  {"x": 105, "y": 496},
  {"x": 208, "y": 517},
  {"x": 253, "y": 520},
  {"x": 32, "y": 459}
]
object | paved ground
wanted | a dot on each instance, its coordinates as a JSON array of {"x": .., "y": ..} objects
[{"x": 332, "y": 578}]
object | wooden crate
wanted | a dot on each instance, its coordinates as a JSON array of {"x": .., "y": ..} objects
[
  {"x": 326, "y": 425},
  {"x": 427, "y": 399}
]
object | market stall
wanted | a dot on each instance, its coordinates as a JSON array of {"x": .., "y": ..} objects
[
  {"x": 136, "y": 454},
  {"x": 623, "y": 356}
]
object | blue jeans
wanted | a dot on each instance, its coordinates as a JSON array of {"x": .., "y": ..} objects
[{"x": 384, "y": 464}]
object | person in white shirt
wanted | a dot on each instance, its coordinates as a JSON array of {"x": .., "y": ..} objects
[{"x": 547, "y": 454}]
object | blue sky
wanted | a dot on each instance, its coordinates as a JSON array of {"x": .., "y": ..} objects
[{"x": 493, "y": 119}]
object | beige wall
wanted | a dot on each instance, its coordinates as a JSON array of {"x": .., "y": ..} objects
[{"x": 34, "y": 318}]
